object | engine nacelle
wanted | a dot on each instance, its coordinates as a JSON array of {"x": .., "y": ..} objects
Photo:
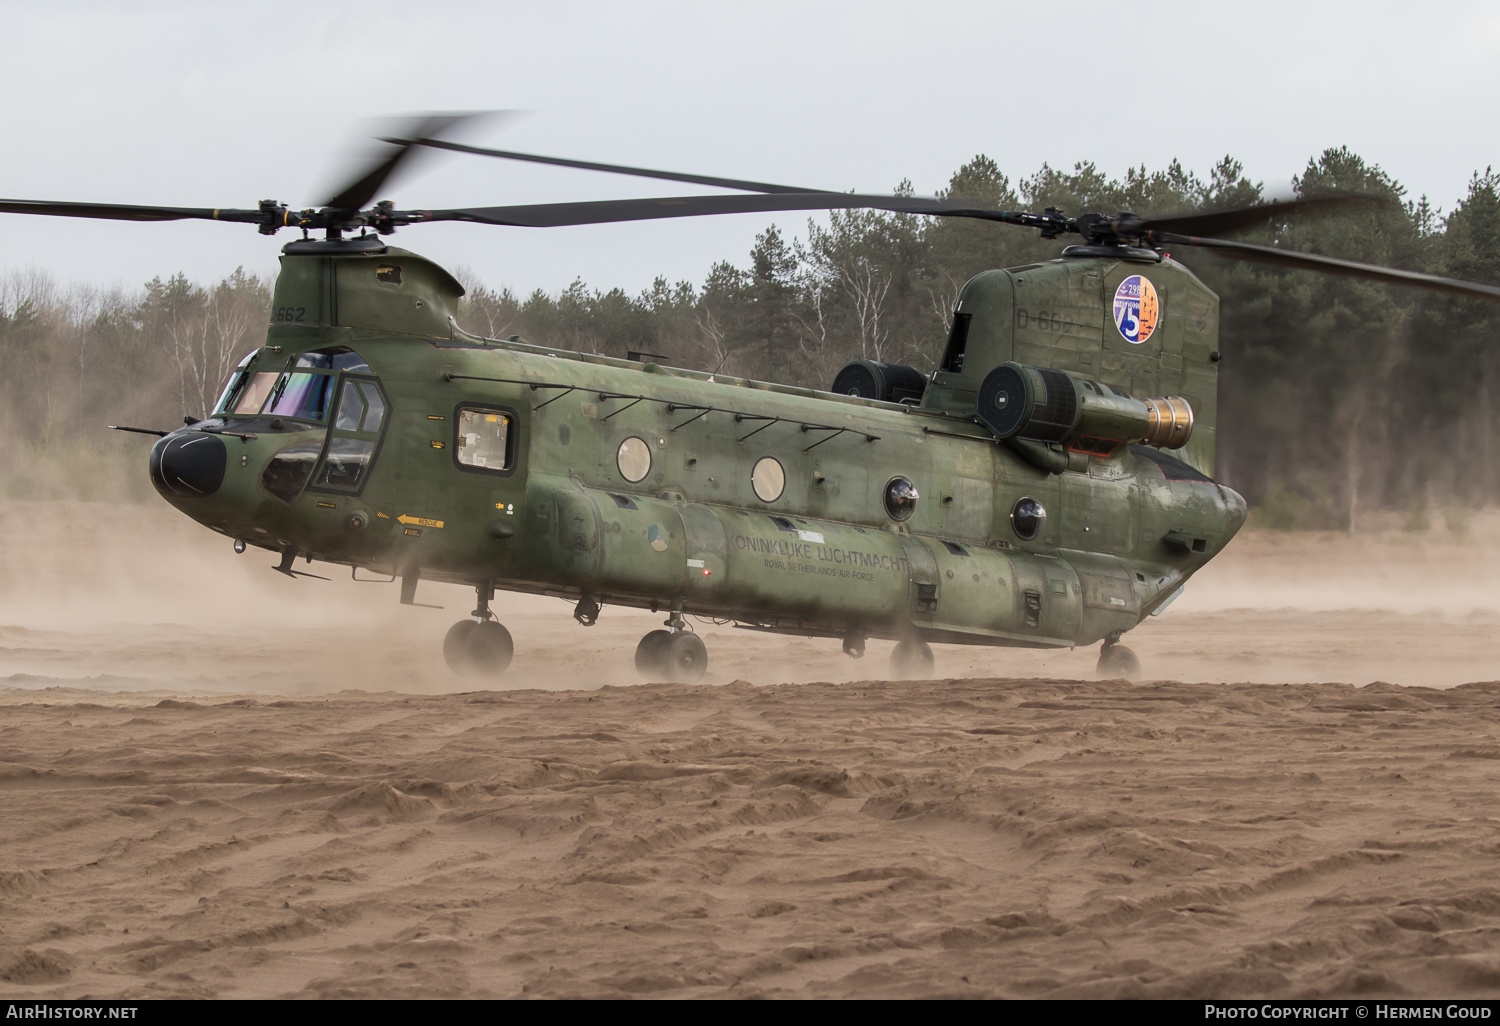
[
  {"x": 1040, "y": 404},
  {"x": 887, "y": 382}
]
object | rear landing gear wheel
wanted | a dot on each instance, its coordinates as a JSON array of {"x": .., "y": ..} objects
[
  {"x": 1116, "y": 662},
  {"x": 685, "y": 658},
  {"x": 455, "y": 645},
  {"x": 478, "y": 649},
  {"x": 650, "y": 654},
  {"x": 912, "y": 660}
]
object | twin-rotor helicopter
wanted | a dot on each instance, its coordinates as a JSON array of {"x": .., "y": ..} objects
[{"x": 1049, "y": 485}]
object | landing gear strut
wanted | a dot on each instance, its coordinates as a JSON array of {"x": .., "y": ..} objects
[
  {"x": 480, "y": 647},
  {"x": 674, "y": 654},
  {"x": 1117, "y": 661}
]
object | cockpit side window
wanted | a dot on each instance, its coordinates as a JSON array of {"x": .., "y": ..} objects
[
  {"x": 361, "y": 407},
  {"x": 358, "y": 422}
]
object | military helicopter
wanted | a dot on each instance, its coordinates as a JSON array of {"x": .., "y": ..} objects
[{"x": 1049, "y": 485}]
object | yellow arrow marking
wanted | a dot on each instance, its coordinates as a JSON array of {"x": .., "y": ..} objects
[{"x": 404, "y": 519}]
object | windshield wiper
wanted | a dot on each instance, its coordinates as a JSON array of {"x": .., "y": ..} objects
[{"x": 241, "y": 435}]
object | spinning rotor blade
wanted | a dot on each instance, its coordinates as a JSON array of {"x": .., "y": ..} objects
[
  {"x": 358, "y": 193},
  {"x": 1332, "y": 265},
  {"x": 127, "y": 211},
  {"x": 619, "y": 169},
  {"x": 554, "y": 215},
  {"x": 1225, "y": 221}
]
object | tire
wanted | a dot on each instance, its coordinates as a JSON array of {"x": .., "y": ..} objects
[
  {"x": 456, "y": 648},
  {"x": 490, "y": 649},
  {"x": 912, "y": 660},
  {"x": 1117, "y": 662},
  {"x": 686, "y": 658},
  {"x": 650, "y": 654}
]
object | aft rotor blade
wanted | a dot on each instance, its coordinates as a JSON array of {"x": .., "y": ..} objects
[
  {"x": 555, "y": 215},
  {"x": 1225, "y": 221},
  {"x": 127, "y": 211},
  {"x": 619, "y": 169},
  {"x": 1333, "y": 265},
  {"x": 358, "y": 193}
]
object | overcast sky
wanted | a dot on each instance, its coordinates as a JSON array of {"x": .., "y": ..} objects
[{"x": 223, "y": 104}]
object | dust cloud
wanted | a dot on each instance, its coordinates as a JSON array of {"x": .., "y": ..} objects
[
  {"x": 223, "y": 783},
  {"x": 138, "y": 597}
]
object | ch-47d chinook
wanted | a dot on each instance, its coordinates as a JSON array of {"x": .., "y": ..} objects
[{"x": 1049, "y": 485}]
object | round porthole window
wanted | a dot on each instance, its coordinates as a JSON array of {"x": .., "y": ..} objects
[
  {"x": 634, "y": 459},
  {"x": 1027, "y": 517},
  {"x": 901, "y": 498},
  {"x": 768, "y": 479}
]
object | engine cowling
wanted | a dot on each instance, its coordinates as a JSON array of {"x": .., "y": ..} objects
[
  {"x": 887, "y": 382},
  {"x": 1040, "y": 404}
]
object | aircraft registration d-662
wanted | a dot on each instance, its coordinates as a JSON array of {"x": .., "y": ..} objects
[{"x": 1049, "y": 485}]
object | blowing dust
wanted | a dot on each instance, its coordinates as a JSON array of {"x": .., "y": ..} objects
[{"x": 137, "y": 597}]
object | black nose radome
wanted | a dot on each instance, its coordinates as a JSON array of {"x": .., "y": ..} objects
[{"x": 190, "y": 464}]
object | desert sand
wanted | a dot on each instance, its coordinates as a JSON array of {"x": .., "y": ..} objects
[{"x": 219, "y": 782}]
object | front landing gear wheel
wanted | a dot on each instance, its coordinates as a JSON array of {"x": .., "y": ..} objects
[
  {"x": 1117, "y": 661},
  {"x": 651, "y": 654},
  {"x": 478, "y": 649},
  {"x": 912, "y": 660}
]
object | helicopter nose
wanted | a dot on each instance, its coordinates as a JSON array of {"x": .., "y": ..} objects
[{"x": 190, "y": 465}]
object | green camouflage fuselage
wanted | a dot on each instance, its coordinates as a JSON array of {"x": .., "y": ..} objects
[{"x": 1121, "y": 535}]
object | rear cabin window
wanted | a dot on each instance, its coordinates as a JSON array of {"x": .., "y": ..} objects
[{"x": 483, "y": 439}]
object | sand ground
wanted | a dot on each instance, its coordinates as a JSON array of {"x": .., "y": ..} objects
[{"x": 220, "y": 782}]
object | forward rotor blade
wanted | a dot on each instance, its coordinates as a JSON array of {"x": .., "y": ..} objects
[
  {"x": 555, "y": 215},
  {"x": 127, "y": 211},
  {"x": 1333, "y": 265},
  {"x": 619, "y": 169},
  {"x": 1225, "y": 221},
  {"x": 383, "y": 163}
]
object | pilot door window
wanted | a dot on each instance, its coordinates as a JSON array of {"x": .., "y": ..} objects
[
  {"x": 483, "y": 439},
  {"x": 357, "y": 423}
]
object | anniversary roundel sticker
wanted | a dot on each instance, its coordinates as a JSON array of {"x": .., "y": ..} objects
[{"x": 1136, "y": 308}]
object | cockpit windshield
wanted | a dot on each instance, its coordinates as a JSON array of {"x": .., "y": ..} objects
[
  {"x": 235, "y": 386},
  {"x": 249, "y": 398},
  {"x": 304, "y": 392},
  {"x": 304, "y": 396}
]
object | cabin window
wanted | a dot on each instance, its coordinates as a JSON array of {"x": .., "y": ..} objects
[
  {"x": 900, "y": 498},
  {"x": 768, "y": 479},
  {"x": 1027, "y": 517},
  {"x": 483, "y": 439},
  {"x": 634, "y": 459}
]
